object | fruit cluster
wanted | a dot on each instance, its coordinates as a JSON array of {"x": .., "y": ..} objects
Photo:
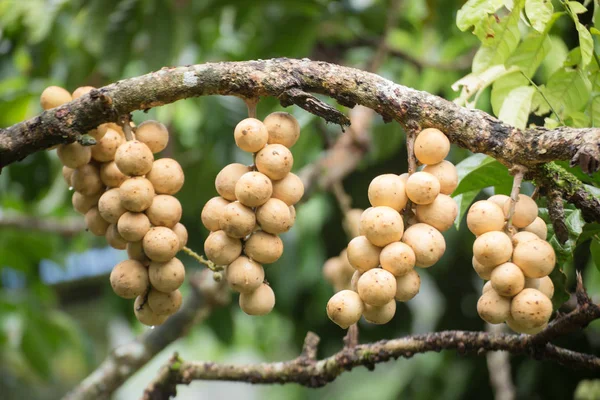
[
  {"x": 127, "y": 196},
  {"x": 518, "y": 290},
  {"x": 384, "y": 254},
  {"x": 255, "y": 205}
]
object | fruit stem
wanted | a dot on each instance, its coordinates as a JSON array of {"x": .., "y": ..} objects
[
  {"x": 211, "y": 265},
  {"x": 125, "y": 124},
  {"x": 251, "y": 104},
  {"x": 518, "y": 173},
  {"x": 411, "y": 135}
]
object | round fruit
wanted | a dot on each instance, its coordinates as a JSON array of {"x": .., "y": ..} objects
[
  {"x": 110, "y": 206},
  {"x": 382, "y": 226},
  {"x": 352, "y": 222},
  {"x": 211, "y": 213},
  {"x": 145, "y": 315},
  {"x": 536, "y": 258},
  {"x": 499, "y": 200},
  {"x": 165, "y": 210},
  {"x": 332, "y": 270},
  {"x": 440, "y": 214},
  {"x": 136, "y": 194},
  {"x": 507, "y": 279},
  {"x": 237, "y": 220},
  {"x": 388, "y": 190},
  {"x": 274, "y": 217},
  {"x": 160, "y": 244},
  {"x": 484, "y": 272},
  {"x": 263, "y": 247},
  {"x": 74, "y": 155},
  {"x": 376, "y": 287},
  {"x": 253, "y": 189},
  {"x": 182, "y": 234},
  {"x": 244, "y": 275},
  {"x": 135, "y": 251},
  {"x": 422, "y": 187},
  {"x": 258, "y": 302},
  {"x": 526, "y": 211},
  {"x": 486, "y": 287},
  {"x": 166, "y": 276},
  {"x": 166, "y": 176},
  {"x": 493, "y": 308},
  {"x": 283, "y": 128},
  {"x": 129, "y": 279},
  {"x": 222, "y": 249},
  {"x": 544, "y": 285},
  {"x": 407, "y": 286},
  {"x": 431, "y": 146},
  {"x": 446, "y": 173},
  {"x": 154, "y": 134},
  {"x": 539, "y": 227},
  {"x": 380, "y": 314},
  {"x": 512, "y": 324},
  {"x": 397, "y": 258},
  {"x": 290, "y": 189},
  {"x": 523, "y": 237},
  {"x": 95, "y": 223},
  {"x": 86, "y": 180},
  {"x": 492, "y": 248},
  {"x": 531, "y": 308},
  {"x": 133, "y": 226},
  {"x": 110, "y": 175},
  {"x": 114, "y": 239},
  {"x": 105, "y": 148},
  {"x": 275, "y": 161},
  {"x": 82, "y": 203},
  {"x": 227, "y": 178},
  {"x": 485, "y": 216},
  {"x": 345, "y": 308},
  {"x": 250, "y": 135},
  {"x": 134, "y": 158},
  {"x": 54, "y": 96},
  {"x": 427, "y": 243},
  {"x": 80, "y": 91},
  {"x": 362, "y": 254},
  {"x": 164, "y": 303},
  {"x": 67, "y": 174}
]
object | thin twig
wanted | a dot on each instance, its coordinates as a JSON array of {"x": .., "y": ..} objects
[
  {"x": 518, "y": 173},
  {"x": 251, "y": 103},
  {"x": 211, "y": 265},
  {"x": 125, "y": 124}
]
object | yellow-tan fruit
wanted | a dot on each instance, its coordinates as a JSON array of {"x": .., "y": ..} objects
[
  {"x": 427, "y": 243},
  {"x": 253, "y": 189},
  {"x": 380, "y": 314},
  {"x": 80, "y": 91},
  {"x": 440, "y": 214},
  {"x": 388, "y": 190},
  {"x": 539, "y": 227},
  {"x": 346, "y": 268},
  {"x": 54, "y": 96},
  {"x": 165, "y": 210},
  {"x": 164, "y": 303},
  {"x": 134, "y": 158},
  {"x": 114, "y": 239},
  {"x": 222, "y": 249},
  {"x": 487, "y": 287},
  {"x": 492, "y": 248},
  {"x": 110, "y": 175},
  {"x": 354, "y": 280},
  {"x": 376, "y": 287},
  {"x": 352, "y": 222},
  {"x": 82, "y": 203},
  {"x": 136, "y": 194},
  {"x": 382, "y": 225},
  {"x": 274, "y": 217},
  {"x": 275, "y": 161},
  {"x": 290, "y": 189},
  {"x": 422, "y": 187},
  {"x": 499, "y": 200},
  {"x": 250, "y": 135},
  {"x": 407, "y": 286},
  {"x": 485, "y": 216},
  {"x": 182, "y": 234},
  {"x": 526, "y": 211},
  {"x": 332, "y": 270},
  {"x": 135, "y": 251},
  {"x": 404, "y": 177},
  {"x": 67, "y": 174},
  {"x": 133, "y": 226},
  {"x": 493, "y": 308},
  {"x": 145, "y": 315},
  {"x": 227, "y": 178},
  {"x": 129, "y": 279},
  {"x": 512, "y": 324},
  {"x": 536, "y": 258},
  {"x": 484, "y": 272},
  {"x": 507, "y": 279},
  {"x": 110, "y": 206},
  {"x": 345, "y": 308},
  {"x": 523, "y": 237},
  {"x": 74, "y": 155},
  {"x": 237, "y": 220},
  {"x": 211, "y": 213},
  {"x": 431, "y": 146},
  {"x": 446, "y": 173},
  {"x": 154, "y": 134},
  {"x": 105, "y": 148},
  {"x": 166, "y": 276},
  {"x": 244, "y": 275},
  {"x": 283, "y": 128},
  {"x": 531, "y": 308},
  {"x": 86, "y": 180},
  {"x": 362, "y": 254},
  {"x": 263, "y": 247},
  {"x": 258, "y": 302},
  {"x": 95, "y": 223},
  {"x": 160, "y": 244},
  {"x": 292, "y": 214},
  {"x": 544, "y": 285},
  {"x": 166, "y": 176},
  {"x": 397, "y": 258}
]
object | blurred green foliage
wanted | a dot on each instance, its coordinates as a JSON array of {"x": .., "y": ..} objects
[{"x": 53, "y": 335}]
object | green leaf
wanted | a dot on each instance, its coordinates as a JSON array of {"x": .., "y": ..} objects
[
  {"x": 475, "y": 83},
  {"x": 561, "y": 294},
  {"x": 539, "y": 13},
  {"x": 567, "y": 90},
  {"x": 585, "y": 42},
  {"x": 517, "y": 106},
  {"x": 595, "y": 250},
  {"x": 595, "y": 111},
  {"x": 35, "y": 349},
  {"x": 480, "y": 171},
  {"x": 576, "y": 7},
  {"x": 463, "y": 201},
  {"x": 503, "y": 86},
  {"x": 530, "y": 53},
  {"x": 476, "y": 11},
  {"x": 594, "y": 31}
]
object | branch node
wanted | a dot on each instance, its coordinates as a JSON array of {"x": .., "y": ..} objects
[
  {"x": 310, "y": 347},
  {"x": 313, "y": 105}
]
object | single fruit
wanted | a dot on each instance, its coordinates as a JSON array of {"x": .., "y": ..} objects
[
  {"x": 539, "y": 227},
  {"x": 484, "y": 272},
  {"x": 345, "y": 308},
  {"x": 512, "y": 324},
  {"x": 376, "y": 287},
  {"x": 536, "y": 258},
  {"x": 250, "y": 135},
  {"x": 523, "y": 237},
  {"x": 110, "y": 175},
  {"x": 397, "y": 258},
  {"x": 492, "y": 248},
  {"x": 499, "y": 200},
  {"x": 493, "y": 308},
  {"x": 129, "y": 279},
  {"x": 275, "y": 161},
  {"x": 166, "y": 276},
  {"x": 135, "y": 251},
  {"x": 86, "y": 180},
  {"x": 182, "y": 234},
  {"x": 133, "y": 226},
  {"x": 274, "y": 217},
  {"x": 74, "y": 155},
  {"x": 263, "y": 247},
  {"x": 160, "y": 244},
  {"x": 544, "y": 285},
  {"x": 80, "y": 91},
  {"x": 237, "y": 220},
  {"x": 67, "y": 174},
  {"x": 211, "y": 213},
  {"x": 380, "y": 314},
  {"x": 446, "y": 173},
  {"x": 283, "y": 128},
  {"x": 422, "y": 187},
  {"x": 222, "y": 249},
  {"x": 244, "y": 275},
  {"x": 427, "y": 243},
  {"x": 253, "y": 189},
  {"x": 407, "y": 286},
  {"x": 164, "y": 303},
  {"x": 134, "y": 158},
  {"x": 227, "y": 178},
  {"x": 485, "y": 216},
  {"x": 154, "y": 134},
  {"x": 110, "y": 206},
  {"x": 136, "y": 194},
  {"x": 431, "y": 146},
  {"x": 440, "y": 214},
  {"x": 507, "y": 279},
  {"x": 388, "y": 190},
  {"x": 258, "y": 302},
  {"x": 290, "y": 189},
  {"x": 486, "y": 287},
  {"x": 165, "y": 210},
  {"x": 105, "y": 148},
  {"x": 54, "y": 96},
  {"x": 526, "y": 211},
  {"x": 382, "y": 225},
  {"x": 166, "y": 176},
  {"x": 82, "y": 203},
  {"x": 531, "y": 308},
  {"x": 145, "y": 315},
  {"x": 362, "y": 254},
  {"x": 95, "y": 223},
  {"x": 352, "y": 222},
  {"x": 114, "y": 239}
]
